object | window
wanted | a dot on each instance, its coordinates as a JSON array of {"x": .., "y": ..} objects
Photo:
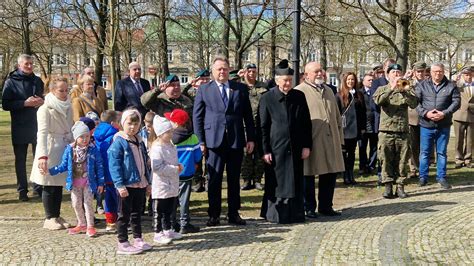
[
  {"x": 184, "y": 79},
  {"x": 468, "y": 55},
  {"x": 60, "y": 59},
  {"x": 105, "y": 61},
  {"x": 312, "y": 56},
  {"x": 421, "y": 56},
  {"x": 87, "y": 61},
  {"x": 245, "y": 56},
  {"x": 153, "y": 57},
  {"x": 289, "y": 53},
  {"x": 262, "y": 55},
  {"x": 333, "y": 79},
  {"x": 184, "y": 55},
  {"x": 377, "y": 57},
  {"x": 442, "y": 55},
  {"x": 170, "y": 55},
  {"x": 1, "y": 60}
]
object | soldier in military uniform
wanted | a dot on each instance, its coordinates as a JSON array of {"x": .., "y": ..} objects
[
  {"x": 167, "y": 97},
  {"x": 417, "y": 75},
  {"x": 252, "y": 165},
  {"x": 200, "y": 176},
  {"x": 393, "y": 149}
]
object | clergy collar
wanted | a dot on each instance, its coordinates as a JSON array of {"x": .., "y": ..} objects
[{"x": 280, "y": 94}]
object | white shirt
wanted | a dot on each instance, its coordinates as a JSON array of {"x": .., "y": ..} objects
[{"x": 227, "y": 88}]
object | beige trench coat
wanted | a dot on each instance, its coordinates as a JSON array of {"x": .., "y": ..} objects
[
  {"x": 326, "y": 153},
  {"x": 54, "y": 133}
]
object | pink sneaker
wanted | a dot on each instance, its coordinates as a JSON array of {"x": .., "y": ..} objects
[
  {"x": 91, "y": 232},
  {"x": 77, "y": 230},
  {"x": 161, "y": 238},
  {"x": 139, "y": 243},
  {"x": 173, "y": 235},
  {"x": 126, "y": 249}
]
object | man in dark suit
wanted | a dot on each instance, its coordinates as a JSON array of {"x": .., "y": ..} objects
[
  {"x": 129, "y": 90},
  {"x": 22, "y": 95},
  {"x": 221, "y": 108}
]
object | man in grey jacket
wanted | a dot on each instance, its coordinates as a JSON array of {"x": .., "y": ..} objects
[{"x": 438, "y": 99}]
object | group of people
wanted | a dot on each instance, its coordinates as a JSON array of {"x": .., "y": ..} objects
[{"x": 153, "y": 144}]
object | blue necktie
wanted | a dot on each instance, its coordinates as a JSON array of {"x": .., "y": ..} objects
[{"x": 224, "y": 95}]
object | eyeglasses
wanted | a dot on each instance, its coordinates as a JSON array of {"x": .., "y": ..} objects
[{"x": 136, "y": 69}]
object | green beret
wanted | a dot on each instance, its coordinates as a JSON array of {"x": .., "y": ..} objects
[
  {"x": 233, "y": 75},
  {"x": 172, "y": 78},
  {"x": 203, "y": 73},
  {"x": 394, "y": 67}
]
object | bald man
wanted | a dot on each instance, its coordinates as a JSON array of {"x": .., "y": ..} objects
[{"x": 326, "y": 158}]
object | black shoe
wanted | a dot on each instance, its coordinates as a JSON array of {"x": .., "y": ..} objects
[
  {"x": 423, "y": 182},
  {"x": 247, "y": 186},
  {"x": 388, "y": 193},
  {"x": 311, "y": 214},
  {"x": 237, "y": 220},
  {"x": 189, "y": 229},
  {"x": 444, "y": 184},
  {"x": 213, "y": 222},
  {"x": 176, "y": 227},
  {"x": 352, "y": 178},
  {"x": 23, "y": 197},
  {"x": 199, "y": 188},
  {"x": 330, "y": 213},
  {"x": 346, "y": 178},
  {"x": 259, "y": 186},
  {"x": 401, "y": 192}
]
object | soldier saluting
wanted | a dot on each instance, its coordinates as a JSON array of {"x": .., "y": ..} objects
[{"x": 394, "y": 100}]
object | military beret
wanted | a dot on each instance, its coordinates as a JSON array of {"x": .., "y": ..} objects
[
  {"x": 419, "y": 65},
  {"x": 233, "y": 75},
  {"x": 250, "y": 66},
  {"x": 172, "y": 78},
  {"x": 203, "y": 73},
  {"x": 394, "y": 67},
  {"x": 467, "y": 70},
  {"x": 283, "y": 69}
]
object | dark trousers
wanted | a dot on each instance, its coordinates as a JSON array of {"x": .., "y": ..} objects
[
  {"x": 130, "y": 209},
  {"x": 349, "y": 154},
  {"x": 21, "y": 151},
  {"x": 326, "y": 186},
  {"x": 414, "y": 148},
  {"x": 52, "y": 197},
  {"x": 216, "y": 159},
  {"x": 370, "y": 162},
  {"x": 162, "y": 209}
]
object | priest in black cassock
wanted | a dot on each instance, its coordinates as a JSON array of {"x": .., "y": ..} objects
[{"x": 285, "y": 126}]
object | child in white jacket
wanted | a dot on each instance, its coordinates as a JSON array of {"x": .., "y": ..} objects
[{"x": 165, "y": 182}]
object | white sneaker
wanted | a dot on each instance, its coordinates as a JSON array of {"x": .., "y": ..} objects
[
  {"x": 52, "y": 224},
  {"x": 173, "y": 235},
  {"x": 161, "y": 238}
]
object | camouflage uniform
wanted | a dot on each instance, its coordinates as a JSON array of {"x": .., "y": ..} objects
[
  {"x": 393, "y": 146},
  {"x": 252, "y": 165}
]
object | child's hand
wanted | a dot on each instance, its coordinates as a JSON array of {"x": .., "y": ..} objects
[
  {"x": 123, "y": 192},
  {"x": 100, "y": 189},
  {"x": 148, "y": 191},
  {"x": 180, "y": 168}
]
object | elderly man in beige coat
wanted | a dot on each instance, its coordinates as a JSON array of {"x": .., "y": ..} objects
[{"x": 325, "y": 159}]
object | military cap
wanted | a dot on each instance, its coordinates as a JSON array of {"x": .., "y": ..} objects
[
  {"x": 419, "y": 66},
  {"x": 394, "y": 67},
  {"x": 203, "y": 73},
  {"x": 250, "y": 66},
  {"x": 172, "y": 78},
  {"x": 283, "y": 69},
  {"x": 377, "y": 67},
  {"x": 467, "y": 69}
]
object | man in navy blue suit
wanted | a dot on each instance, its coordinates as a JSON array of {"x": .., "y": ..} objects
[
  {"x": 129, "y": 90},
  {"x": 221, "y": 108}
]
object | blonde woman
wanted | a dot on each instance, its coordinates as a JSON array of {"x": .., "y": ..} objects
[
  {"x": 54, "y": 133},
  {"x": 86, "y": 101}
]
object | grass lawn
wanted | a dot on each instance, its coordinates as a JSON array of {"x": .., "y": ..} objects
[{"x": 251, "y": 200}]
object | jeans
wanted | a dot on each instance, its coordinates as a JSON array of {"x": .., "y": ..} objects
[
  {"x": 440, "y": 138},
  {"x": 184, "y": 196}
]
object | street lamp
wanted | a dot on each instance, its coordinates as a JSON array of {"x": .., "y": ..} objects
[
  {"x": 296, "y": 42},
  {"x": 257, "y": 39}
]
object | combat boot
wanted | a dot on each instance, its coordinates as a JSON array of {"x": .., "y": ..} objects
[
  {"x": 388, "y": 193},
  {"x": 401, "y": 192}
]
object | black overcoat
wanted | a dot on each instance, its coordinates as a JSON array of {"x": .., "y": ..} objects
[{"x": 285, "y": 126}]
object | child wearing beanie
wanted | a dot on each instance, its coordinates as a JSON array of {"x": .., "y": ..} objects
[
  {"x": 165, "y": 184},
  {"x": 129, "y": 171},
  {"x": 85, "y": 177}
]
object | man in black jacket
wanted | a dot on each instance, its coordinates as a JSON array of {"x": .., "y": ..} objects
[
  {"x": 438, "y": 99},
  {"x": 22, "y": 95}
]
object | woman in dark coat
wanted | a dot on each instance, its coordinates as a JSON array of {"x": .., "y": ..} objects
[
  {"x": 352, "y": 107},
  {"x": 286, "y": 141}
]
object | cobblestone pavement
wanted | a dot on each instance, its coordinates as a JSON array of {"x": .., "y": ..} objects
[{"x": 430, "y": 227}]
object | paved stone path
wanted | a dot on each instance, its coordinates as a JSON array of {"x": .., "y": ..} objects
[{"x": 430, "y": 227}]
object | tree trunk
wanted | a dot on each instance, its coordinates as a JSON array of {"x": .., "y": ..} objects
[
  {"x": 323, "y": 40},
  {"x": 226, "y": 32},
  {"x": 102, "y": 30},
  {"x": 273, "y": 39},
  {"x": 25, "y": 26},
  {"x": 163, "y": 42},
  {"x": 402, "y": 32}
]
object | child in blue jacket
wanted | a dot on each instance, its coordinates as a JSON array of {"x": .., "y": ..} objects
[
  {"x": 128, "y": 166},
  {"x": 85, "y": 177},
  {"x": 189, "y": 155},
  {"x": 103, "y": 135}
]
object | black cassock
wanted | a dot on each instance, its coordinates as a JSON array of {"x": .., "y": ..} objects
[{"x": 285, "y": 127}]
